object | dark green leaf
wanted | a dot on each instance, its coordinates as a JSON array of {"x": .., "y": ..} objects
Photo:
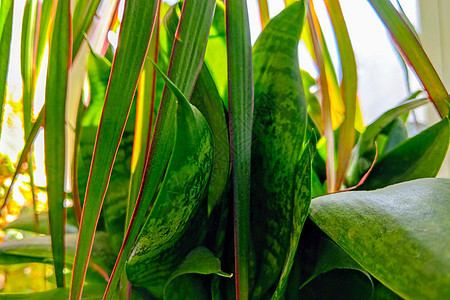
[
  {"x": 92, "y": 292},
  {"x": 399, "y": 234},
  {"x": 277, "y": 166},
  {"x": 418, "y": 157},
  {"x": 186, "y": 61}
]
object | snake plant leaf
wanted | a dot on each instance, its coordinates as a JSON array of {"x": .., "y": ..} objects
[
  {"x": 129, "y": 58},
  {"x": 277, "y": 143},
  {"x": 54, "y": 134},
  {"x": 418, "y": 157},
  {"x": 199, "y": 261},
  {"x": 186, "y": 61},
  {"x": 399, "y": 234},
  {"x": 6, "y": 17},
  {"x": 207, "y": 100},
  {"x": 413, "y": 53},
  {"x": 302, "y": 200},
  {"x": 330, "y": 260},
  {"x": 240, "y": 104},
  {"x": 163, "y": 240}
]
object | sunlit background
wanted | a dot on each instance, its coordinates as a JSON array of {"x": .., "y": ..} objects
[{"x": 382, "y": 85}]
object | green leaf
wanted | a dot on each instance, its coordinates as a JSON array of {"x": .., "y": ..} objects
[
  {"x": 45, "y": 25},
  {"x": 170, "y": 232},
  {"x": 6, "y": 17},
  {"x": 278, "y": 143},
  {"x": 207, "y": 100},
  {"x": 26, "y": 221},
  {"x": 54, "y": 134},
  {"x": 302, "y": 200},
  {"x": 240, "y": 104},
  {"x": 92, "y": 292},
  {"x": 413, "y": 53},
  {"x": 198, "y": 261},
  {"x": 186, "y": 61},
  {"x": 83, "y": 16},
  {"x": 418, "y": 157},
  {"x": 398, "y": 234},
  {"x": 367, "y": 139},
  {"x": 333, "y": 258},
  {"x": 348, "y": 88},
  {"x": 128, "y": 61}
]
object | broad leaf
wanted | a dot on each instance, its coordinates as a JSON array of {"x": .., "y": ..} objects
[
  {"x": 92, "y": 292},
  {"x": 170, "y": 231},
  {"x": 198, "y": 261},
  {"x": 399, "y": 234},
  {"x": 418, "y": 157},
  {"x": 278, "y": 143}
]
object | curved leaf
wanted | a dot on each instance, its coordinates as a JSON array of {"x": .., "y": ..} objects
[
  {"x": 278, "y": 142},
  {"x": 418, "y": 157},
  {"x": 399, "y": 234}
]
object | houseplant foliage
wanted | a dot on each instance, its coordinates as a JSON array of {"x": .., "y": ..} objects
[{"x": 205, "y": 168}]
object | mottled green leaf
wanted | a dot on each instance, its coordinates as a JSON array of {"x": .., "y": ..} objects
[
  {"x": 399, "y": 234},
  {"x": 278, "y": 143},
  {"x": 418, "y": 157},
  {"x": 169, "y": 232}
]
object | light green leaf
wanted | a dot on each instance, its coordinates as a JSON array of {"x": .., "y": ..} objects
[
  {"x": 6, "y": 17},
  {"x": 399, "y": 234}
]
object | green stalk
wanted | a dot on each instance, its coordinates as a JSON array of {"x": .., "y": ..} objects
[{"x": 240, "y": 101}]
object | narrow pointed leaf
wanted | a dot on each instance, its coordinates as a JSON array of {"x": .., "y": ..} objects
[
  {"x": 6, "y": 17},
  {"x": 411, "y": 217},
  {"x": 278, "y": 167},
  {"x": 130, "y": 54},
  {"x": 240, "y": 104},
  {"x": 413, "y": 53},
  {"x": 348, "y": 88},
  {"x": 56, "y": 89},
  {"x": 263, "y": 12},
  {"x": 418, "y": 157},
  {"x": 186, "y": 60},
  {"x": 83, "y": 16},
  {"x": 45, "y": 25}
]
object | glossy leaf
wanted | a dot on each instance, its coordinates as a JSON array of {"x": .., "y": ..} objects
[
  {"x": 170, "y": 232},
  {"x": 206, "y": 98},
  {"x": 54, "y": 134},
  {"x": 6, "y": 17},
  {"x": 418, "y": 157},
  {"x": 128, "y": 61},
  {"x": 410, "y": 217},
  {"x": 240, "y": 104},
  {"x": 413, "y": 53},
  {"x": 186, "y": 61},
  {"x": 198, "y": 261},
  {"x": 278, "y": 168}
]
